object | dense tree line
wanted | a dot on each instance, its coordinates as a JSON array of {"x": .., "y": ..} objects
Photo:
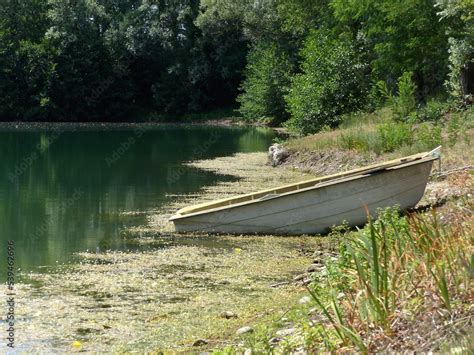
[
  {"x": 306, "y": 62},
  {"x": 108, "y": 59},
  {"x": 341, "y": 56}
]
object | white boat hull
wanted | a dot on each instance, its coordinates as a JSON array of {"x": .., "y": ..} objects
[{"x": 316, "y": 209}]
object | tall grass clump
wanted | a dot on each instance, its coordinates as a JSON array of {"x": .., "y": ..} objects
[
  {"x": 400, "y": 268},
  {"x": 385, "y": 138}
]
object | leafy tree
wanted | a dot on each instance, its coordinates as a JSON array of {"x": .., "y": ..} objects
[
  {"x": 88, "y": 81},
  {"x": 258, "y": 20},
  {"x": 222, "y": 52},
  {"x": 268, "y": 75},
  {"x": 179, "y": 67},
  {"x": 331, "y": 83},
  {"x": 459, "y": 14},
  {"x": 103, "y": 59},
  {"x": 25, "y": 61},
  {"x": 98, "y": 59},
  {"x": 300, "y": 16},
  {"x": 404, "y": 35}
]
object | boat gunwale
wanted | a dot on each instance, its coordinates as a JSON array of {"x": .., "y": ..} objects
[{"x": 325, "y": 181}]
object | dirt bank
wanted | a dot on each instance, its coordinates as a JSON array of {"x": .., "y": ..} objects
[{"x": 447, "y": 178}]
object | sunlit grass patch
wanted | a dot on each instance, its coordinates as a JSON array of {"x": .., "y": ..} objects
[{"x": 378, "y": 133}]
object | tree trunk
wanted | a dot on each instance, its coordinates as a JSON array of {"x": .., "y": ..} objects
[{"x": 467, "y": 77}]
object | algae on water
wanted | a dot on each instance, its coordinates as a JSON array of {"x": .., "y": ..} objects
[{"x": 173, "y": 293}]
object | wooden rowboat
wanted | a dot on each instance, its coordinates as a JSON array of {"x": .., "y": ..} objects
[{"x": 315, "y": 205}]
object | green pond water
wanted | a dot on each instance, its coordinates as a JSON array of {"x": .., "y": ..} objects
[{"x": 66, "y": 188}]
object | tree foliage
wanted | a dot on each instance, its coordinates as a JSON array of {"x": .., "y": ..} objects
[
  {"x": 404, "y": 35},
  {"x": 331, "y": 83},
  {"x": 103, "y": 59},
  {"x": 459, "y": 14},
  {"x": 109, "y": 59},
  {"x": 268, "y": 75},
  {"x": 25, "y": 59}
]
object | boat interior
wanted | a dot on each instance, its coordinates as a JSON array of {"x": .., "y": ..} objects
[{"x": 274, "y": 192}]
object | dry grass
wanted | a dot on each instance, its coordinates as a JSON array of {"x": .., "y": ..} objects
[{"x": 371, "y": 138}]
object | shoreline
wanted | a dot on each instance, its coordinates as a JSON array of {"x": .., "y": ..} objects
[
  {"x": 111, "y": 124},
  {"x": 54, "y": 125},
  {"x": 183, "y": 276},
  {"x": 174, "y": 294}
]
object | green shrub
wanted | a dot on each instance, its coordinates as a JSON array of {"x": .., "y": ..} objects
[
  {"x": 428, "y": 136},
  {"x": 331, "y": 84},
  {"x": 459, "y": 126},
  {"x": 267, "y": 77},
  {"x": 385, "y": 139},
  {"x": 393, "y": 136},
  {"x": 380, "y": 95},
  {"x": 359, "y": 140},
  {"x": 404, "y": 103},
  {"x": 433, "y": 111},
  {"x": 458, "y": 14}
]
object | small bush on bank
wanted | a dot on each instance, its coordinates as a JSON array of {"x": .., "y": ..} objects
[
  {"x": 404, "y": 103},
  {"x": 393, "y": 136},
  {"x": 428, "y": 136},
  {"x": 433, "y": 111},
  {"x": 458, "y": 126},
  {"x": 386, "y": 138}
]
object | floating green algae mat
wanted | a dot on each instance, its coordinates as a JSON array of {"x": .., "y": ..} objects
[
  {"x": 162, "y": 299},
  {"x": 172, "y": 292}
]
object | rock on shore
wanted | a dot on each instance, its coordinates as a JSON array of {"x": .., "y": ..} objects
[{"x": 277, "y": 154}]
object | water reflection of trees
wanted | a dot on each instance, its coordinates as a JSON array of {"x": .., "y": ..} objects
[{"x": 39, "y": 210}]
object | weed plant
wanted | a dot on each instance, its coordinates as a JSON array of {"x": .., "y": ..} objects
[{"x": 393, "y": 264}]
